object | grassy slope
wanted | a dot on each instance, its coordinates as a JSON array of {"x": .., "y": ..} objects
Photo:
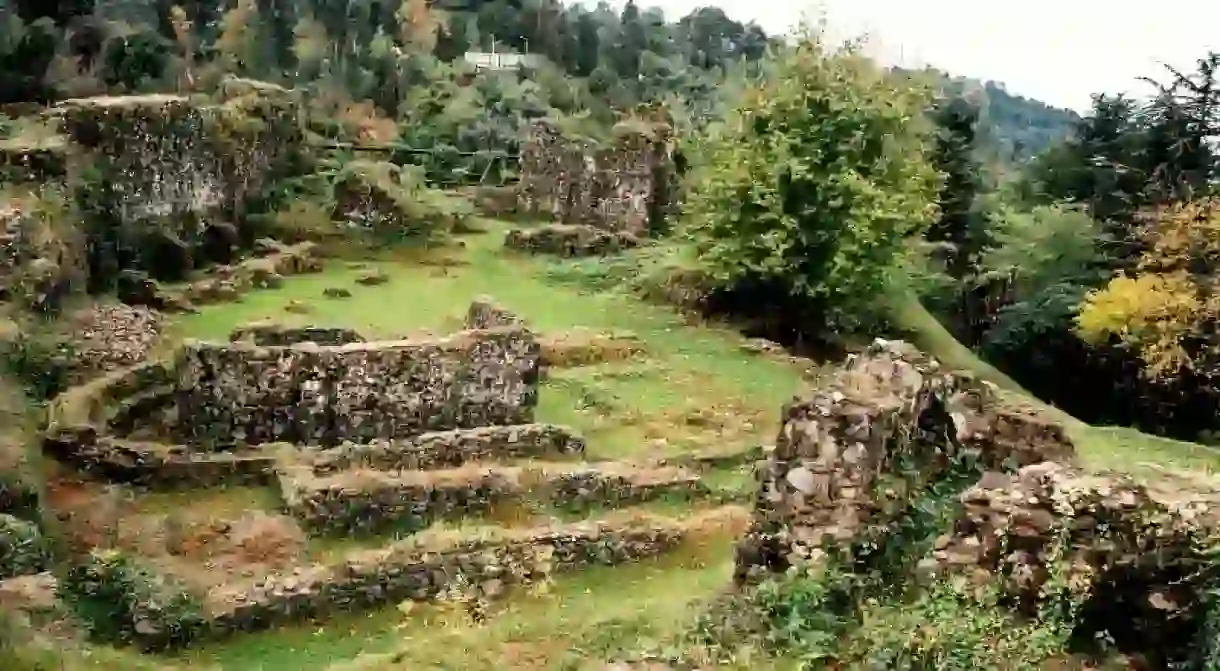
[
  {"x": 1108, "y": 447},
  {"x": 695, "y": 389}
]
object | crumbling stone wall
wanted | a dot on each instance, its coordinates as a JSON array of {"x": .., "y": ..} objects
[
  {"x": 432, "y": 566},
  {"x": 160, "y": 178},
  {"x": 309, "y": 394},
  {"x": 450, "y": 449},
  {"x": 272, "y": 334},
  {"x": 569, "y": 240},
  {"x": 361, "y": 499},
  {"x": 891, "y": 416},
  {"x": 1138, "y": 562},
  {"x": 620, "y": 187},
  {"x": 484, "y": 313}
]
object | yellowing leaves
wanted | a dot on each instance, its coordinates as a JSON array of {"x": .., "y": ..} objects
[{"x": 1164, "y": 310}]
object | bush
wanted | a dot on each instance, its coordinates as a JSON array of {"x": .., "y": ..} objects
[
  {"x": 23, "y": 550},
  {"x": 42, "y": 363},
  {"x": 947, "y": 629},
  {"x": 814, "y": 183},
  {"x": 121, "y": 602}
]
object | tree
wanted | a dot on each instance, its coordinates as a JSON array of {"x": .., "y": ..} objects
[
  {"x": 814, "y": 185},
  {"x": 959, "y": 226}
]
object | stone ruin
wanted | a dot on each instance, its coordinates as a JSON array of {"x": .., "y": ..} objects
[
  {"x": 849, "y": 461},
  {"x": 157, "y": 185},
  {"x": 615, "y": 194},
  {"x": 356, "y": 438}
]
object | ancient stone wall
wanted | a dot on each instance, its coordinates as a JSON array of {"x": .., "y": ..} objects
[
  {"x": 308, "y": 394},
  {"x": 162, "y": 179},
  {"x": 890, "y": 420},
  {"x": 615, "y": 188},
  {"x": 271, "y": 334},
  {"x": 1138, "y": 562},
  {"x": 450, "y": 449},
  {"x": 364, "y": 500},
  {"x": 435, "y": 566},
  {"x": 570, "y": 240}
]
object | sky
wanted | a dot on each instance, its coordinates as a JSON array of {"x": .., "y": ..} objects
[{"x": 1058, "y": 51}]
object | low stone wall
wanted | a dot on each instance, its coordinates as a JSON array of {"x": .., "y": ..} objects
[
  {"x": 167, "y": 467},
  {"x": 308, "y": 394},
  {"x": 450, "y": 449},
  {"x": 891, "y": 415},
  {"x": 363, "y": 500},
  {"x": 432, "y": 566},
  {"x": 609, "y": 484},
  {"x": 271, "y": 334},
  {"x": 569, "y": 240},
  {"x": 484, "y": 313},
  {"x": 90, "y": 407}
]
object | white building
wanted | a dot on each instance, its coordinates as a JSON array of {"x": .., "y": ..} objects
[{"x": 501, "y": 61}]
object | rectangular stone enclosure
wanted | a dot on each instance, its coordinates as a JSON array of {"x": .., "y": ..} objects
[{"x": 238, "y": 394}]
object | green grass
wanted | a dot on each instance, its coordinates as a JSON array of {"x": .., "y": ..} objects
[
  {"x": 588, "y": 615},
  {"x": 1100, "y": 447},
  {"x": 693, "y": 389}
]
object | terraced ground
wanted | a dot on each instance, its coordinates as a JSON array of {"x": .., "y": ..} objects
[{"x": 636, "y": 381}]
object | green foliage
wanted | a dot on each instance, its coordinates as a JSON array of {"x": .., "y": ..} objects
[
  {"x": 22, "y": 548},
  {"x": 122, "y": 602},
  {"x": 814, "y": 183},
  {"x": 948, "y": 628},
  {"x": 809, "y": 614},
  {"x": 40, "y": 361},
  {"x": 1046, "y": 259}
]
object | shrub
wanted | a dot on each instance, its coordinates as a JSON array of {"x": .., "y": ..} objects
[
  {"x": 122, "y": 602},
  {"x": 23, "y": 550},
  {"x": 948, "y": 629},
  {"x": 814, "y": 183}
]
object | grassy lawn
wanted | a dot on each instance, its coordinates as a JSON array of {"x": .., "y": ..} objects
[{"x": 694, "y": 389}]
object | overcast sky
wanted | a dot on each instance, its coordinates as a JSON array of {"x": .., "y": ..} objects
[{"x": 1059, "y": 51}]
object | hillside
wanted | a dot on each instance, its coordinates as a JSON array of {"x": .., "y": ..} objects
[{"x": 323, "y": 346}]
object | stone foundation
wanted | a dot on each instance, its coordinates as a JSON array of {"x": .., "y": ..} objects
[
  {"x": 450, "y": 449},
  {"x": 271, "y": 334},
  {"x": 365, "y": 500},
  {"x": 430, "y": 566},
  {"x": 569, "y": 240},
  {"x": 315, "y": 395}
]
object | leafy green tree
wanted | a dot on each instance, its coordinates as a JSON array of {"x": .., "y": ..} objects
[{"x": 814, "y": 184}]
